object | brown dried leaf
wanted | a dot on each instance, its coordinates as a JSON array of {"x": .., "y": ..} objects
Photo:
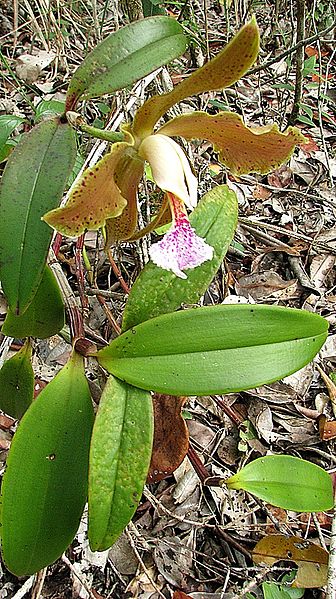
[
  {"x": 327, "y": 428},
  {"x": 171, "y": 437},
  {"x": 258, "y": 285},
  {"x": 311, "y": 559},
  {"x": 180, "y": 595}
]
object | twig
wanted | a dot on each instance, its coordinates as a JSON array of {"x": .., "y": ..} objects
[
  {"x": 27, "y": 585},
  {"x": 299, "y": 54},
  {"x": 118, "y": 273},
  {"x": 38, "y": 584},
  {"x": 75, "y": 573},
  {"x": 331, "y": 588},
  {"x": 75, "y": 317},
  {"x": 305, "y": 42},
  {"x": 142, "y": 563}
]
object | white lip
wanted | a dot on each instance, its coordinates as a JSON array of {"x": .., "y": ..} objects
[{"x": 170, "y": 167}]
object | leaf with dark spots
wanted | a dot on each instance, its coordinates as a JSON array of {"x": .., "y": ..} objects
[{"x": 126, "y": 56}]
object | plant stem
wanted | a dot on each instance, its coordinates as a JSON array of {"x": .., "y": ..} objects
[
  {"x": 331, "y": 588},
  {"x": 299, "y": 55},
  {"x": 76, "y": 120}
]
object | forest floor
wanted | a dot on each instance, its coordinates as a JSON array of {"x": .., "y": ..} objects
[{"x": 186, "y": 536}]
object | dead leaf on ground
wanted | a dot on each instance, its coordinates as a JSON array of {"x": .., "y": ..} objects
[
  {"x": 261, "y": 417},
  {"x": 327, "y": 428},
  {"x": 173, "y": 558},
  {"x": 180, "y": 595},
  {"x": 264, "y": 284},
  {"x": 30, "y": 66},
  {"x": 311, "y": 559},
  {"x": 171, "y": 437},
  {"x": 281, "y": 177}
]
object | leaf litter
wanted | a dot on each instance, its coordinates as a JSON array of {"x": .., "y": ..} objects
[{"x": 189, "y": 539}]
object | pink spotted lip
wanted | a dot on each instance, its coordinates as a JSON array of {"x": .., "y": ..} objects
[{"x": 180, "y": 248}]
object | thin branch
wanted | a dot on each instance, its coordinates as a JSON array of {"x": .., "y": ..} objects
[{"x": 301, "y": 44}]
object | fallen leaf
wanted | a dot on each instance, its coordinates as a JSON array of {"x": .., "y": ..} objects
[
  {"x": 171, "y": 437},
  {"x": 327, "y": 428},
  {"x": 281, "y": 177},
  {"x": 264, "y": 284},
  {"x": 180, "y": 595},
  {"x": 311, "y": 559},
  {"x": 261, "y": 193}
]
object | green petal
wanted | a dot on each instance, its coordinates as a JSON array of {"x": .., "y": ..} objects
[
  {"x": 242, "y": 149},
  {"x": 222, "y": 71}
]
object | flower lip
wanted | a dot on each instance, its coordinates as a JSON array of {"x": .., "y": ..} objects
[
  {"x": 180, "y": 248},
  {"x": 170, "y": 167}
]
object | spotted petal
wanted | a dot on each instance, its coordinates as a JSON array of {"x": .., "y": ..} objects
[
  {"x": 127, "y": 177},
  {"x": 180, "y": 248},
  {"x": 242, "y": 149},
  {"x": 222, "y": 71},
  {"x": 95, "y": 198}
]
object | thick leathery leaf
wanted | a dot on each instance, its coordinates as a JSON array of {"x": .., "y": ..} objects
[
  {"x": 287, "y": 482},
  {"x": 44, "y": 316},
  {"x": 126, "y": 56},
  {"x": 217, "y": 349},
  {"x": 95, "y": 198},
  {"x": 222, "y": 71},
  {"x": 33, "y": 182},
  {"x": 17, "y": 383},
  {"x": 242, "y": 149},
  {"x": 120, "y": 453},
  {"x": 311, "y": 559},
  {"x": 44, "y": 487},
  {"x": 157, "y": 291}
]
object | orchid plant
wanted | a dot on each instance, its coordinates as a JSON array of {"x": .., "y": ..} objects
[
  {"x": 63, "y": 454},
  {"x": 106, "y": 194}
]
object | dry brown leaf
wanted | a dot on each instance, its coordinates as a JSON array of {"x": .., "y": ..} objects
[
  {"x": 171, "y": 437},
  {"x": 180, "y": 595},
  {"x": 281, "y": 177},
  {"x": 264, "y": 284},
  {"x": 311, "y": 559},
  {"x": 327, "y": 428}
]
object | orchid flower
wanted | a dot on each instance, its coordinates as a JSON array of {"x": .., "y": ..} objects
[{"x": 106, "y": 194}]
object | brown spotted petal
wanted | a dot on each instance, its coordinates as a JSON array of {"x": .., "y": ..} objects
[
  {"x": 222, "y": 71},
  {"x": 127, "y": 177},
  {"x": 94, "y": 199},
  {"x": 242, "y": 149}
]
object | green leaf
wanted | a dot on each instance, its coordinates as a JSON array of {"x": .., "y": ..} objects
[
  {"x": 32, "y": 183},
  {"x": 120, "y": 454},
  {"x": 126, "y": 56},
  {"x": 44, "y": 487},
  {"x": 287, "y": 482},
  {"x": 44, "y": 317},
  {"x": 8, "y": 122},
  {"x": 17, "y": 383},
  {"x": 48, "y": 108},
  {"x": 151, "y": 7},
  {"x": 157, "y": 291},
  {"x": 217, "y": 349}
]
